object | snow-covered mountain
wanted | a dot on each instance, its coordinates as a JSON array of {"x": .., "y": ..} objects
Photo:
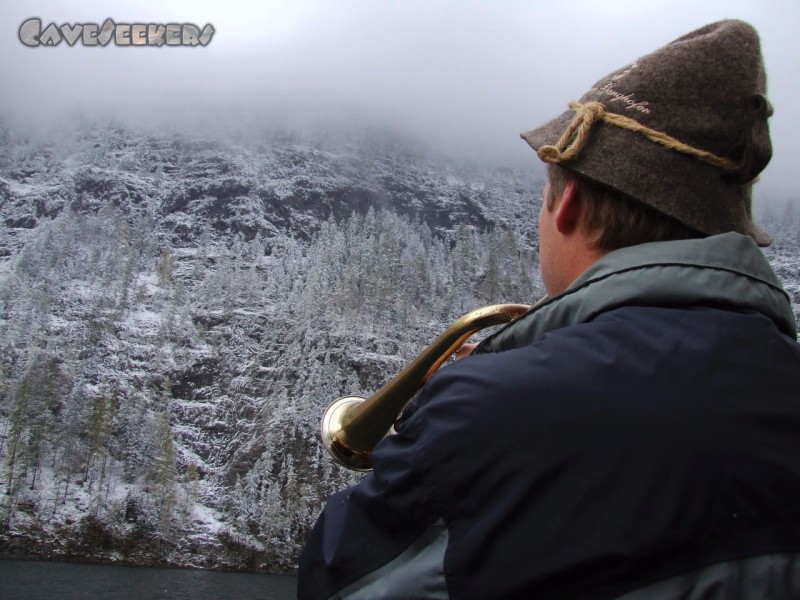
[{"x": 176, "y": 312}]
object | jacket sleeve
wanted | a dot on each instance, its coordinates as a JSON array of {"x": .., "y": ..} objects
[{"x": 370, "y": 529}]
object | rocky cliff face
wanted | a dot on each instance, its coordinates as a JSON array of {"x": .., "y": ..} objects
[{"x": 268, "y": 188}]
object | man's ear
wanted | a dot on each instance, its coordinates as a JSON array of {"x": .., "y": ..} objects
[{"x": 568, "y": 210}]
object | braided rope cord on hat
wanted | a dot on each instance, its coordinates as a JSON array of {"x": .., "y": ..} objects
[{"x": 577, "y": 133}]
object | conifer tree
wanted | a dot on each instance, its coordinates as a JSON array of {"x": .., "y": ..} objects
[
  {"x": 164, "y": 473},
  {"x": 164, "y": 267}
]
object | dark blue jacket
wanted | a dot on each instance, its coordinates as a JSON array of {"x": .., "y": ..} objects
[{"x": 639, "y": 434}]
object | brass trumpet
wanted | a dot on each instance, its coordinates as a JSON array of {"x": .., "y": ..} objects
[{"x": 353, "y": 425}]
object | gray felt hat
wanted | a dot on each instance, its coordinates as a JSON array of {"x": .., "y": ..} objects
[{"x": 683, "y": 129}]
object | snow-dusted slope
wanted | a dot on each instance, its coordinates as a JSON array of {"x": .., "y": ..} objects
[{"x": 175, "y": 313}]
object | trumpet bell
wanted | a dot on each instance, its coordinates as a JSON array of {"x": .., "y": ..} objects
[{"x": 334, "y": 436}]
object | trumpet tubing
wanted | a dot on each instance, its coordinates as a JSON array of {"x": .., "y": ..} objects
[{"x": 353, "y": 425}]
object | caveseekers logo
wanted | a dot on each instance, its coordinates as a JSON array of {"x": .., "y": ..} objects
[{"x": 122, "y": 34}]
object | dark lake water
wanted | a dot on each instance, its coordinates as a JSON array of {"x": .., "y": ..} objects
[{"x": 24, "y": 580}]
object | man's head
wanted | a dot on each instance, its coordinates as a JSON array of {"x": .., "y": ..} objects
[
  {"x": 581, "y": 220},
  {"x": 676, "y": 136},
  {"x": 611, "y": 219}
]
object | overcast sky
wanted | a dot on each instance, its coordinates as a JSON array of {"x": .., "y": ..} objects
[{"x": 464, "y": 76}]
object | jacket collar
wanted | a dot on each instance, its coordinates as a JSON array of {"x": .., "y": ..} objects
[{"x": 725, "y": 270}]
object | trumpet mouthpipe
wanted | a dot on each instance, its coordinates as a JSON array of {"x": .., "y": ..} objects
[{"x": 353, "y": 425}]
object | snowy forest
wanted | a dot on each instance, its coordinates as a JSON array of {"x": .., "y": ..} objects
[{"x": 177, "y": 311}]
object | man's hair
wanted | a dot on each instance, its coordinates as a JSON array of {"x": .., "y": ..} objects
[{"x": 613, "y": 219}]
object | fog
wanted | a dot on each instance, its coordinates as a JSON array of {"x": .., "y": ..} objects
[{"x": 463, "y": 77}]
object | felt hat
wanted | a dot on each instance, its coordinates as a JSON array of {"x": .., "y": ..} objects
[{"x": 683, "y": 130}]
